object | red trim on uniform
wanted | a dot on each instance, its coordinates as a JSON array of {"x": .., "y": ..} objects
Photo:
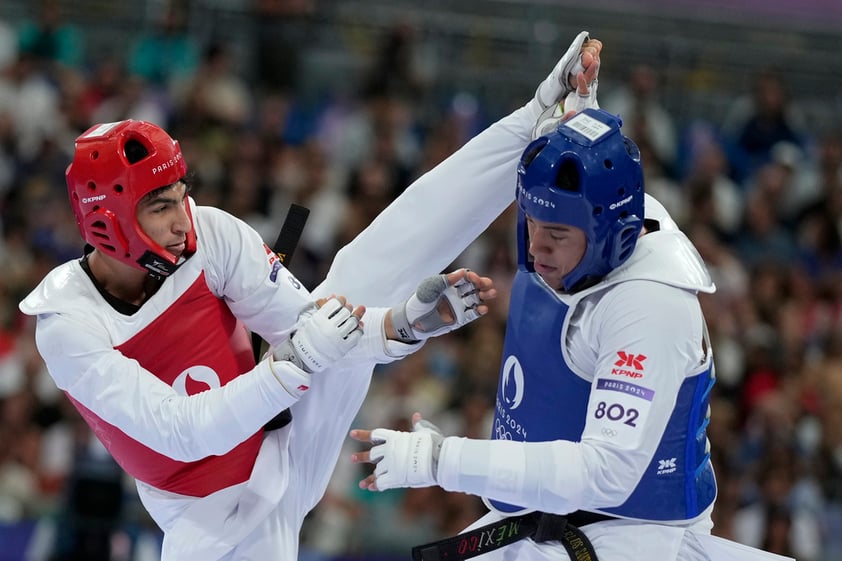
[{"x": 198, "y": 332}]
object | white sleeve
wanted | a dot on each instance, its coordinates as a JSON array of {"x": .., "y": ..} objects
[
  {"x": 119, "y": 391},
  {"x": 603, "y": 469},
  {"x": 432, "y": 222},
  {"x": 266, "y": 296},
  {"x": 242, "y": 269},
  {"x": 374, "y": 346}
]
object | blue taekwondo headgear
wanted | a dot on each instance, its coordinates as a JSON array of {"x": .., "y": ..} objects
[{"x": 588, "y": 175}]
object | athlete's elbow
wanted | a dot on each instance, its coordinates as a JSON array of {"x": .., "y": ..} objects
[
  {"x": 613, "y": 474},
  {"x": 190, "y": 436}
]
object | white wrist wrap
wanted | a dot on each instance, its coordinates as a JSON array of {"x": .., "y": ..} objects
[
  {"x": 406, "y": 459},
  {"x": 294, "y": 379},
  {"x": 578, "y": 102},
  {"x": 321, "y": 338}
]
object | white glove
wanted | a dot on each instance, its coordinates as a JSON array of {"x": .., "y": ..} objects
[
  {"x": 418, "y": 318},
  {"x": 321, "y": 338},
  {"x": 294, "y": 380},
  {"x": 556, "y": 86},
  {"x": 406, "y": 459},
  {"x": 552, "y": 116},
  {"x": 555, "y": 95}
]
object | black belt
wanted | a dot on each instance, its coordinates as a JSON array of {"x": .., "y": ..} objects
[{"x": 540, "y": 526}]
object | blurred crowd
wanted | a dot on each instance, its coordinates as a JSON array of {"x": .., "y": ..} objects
[{"x": 758, "y": 193}]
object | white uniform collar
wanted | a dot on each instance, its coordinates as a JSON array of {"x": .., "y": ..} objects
[{"x": 666, "y": 256}]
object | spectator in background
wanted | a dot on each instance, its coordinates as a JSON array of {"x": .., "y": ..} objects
[
  {"x": 821, "y": 175},
  {"x": 777, "y": 181},
  {"x": 31, "y": 102},
  {"x": 166, "y": 54},
  {"x": 732, "y": 288},
  {"x": 19, "y": 492},
  {"x": 712, "y": 197},
  {"x": 825, "y": 379},
  {"x": 398, "y": 69},
  {"x": 92, "y": 508},
  {"x": 817, "y": 227},
  {"x": 135, "y": 99},
  {"x": 215, "y": 96},
  {"x": 774, "y": 519},
  {"x": 281, "y": 32},
  {"x": 8, "y": 44},
  {"x": 379, "y": 128},
  {"x": 371, "y": 187},
  {"x": 304, "y": 175},
  {"x": 820, "y": 248},
  {"x": 794, "y": 165},
  {"x": 51, "y": 41},
  {"x": 661, "y": 185},
  {"x": 762, "y": 238},
  {"x": 758, "y": 121},
  {"x": 103, "y": 82},
  {"x": 645, "y": 118}
]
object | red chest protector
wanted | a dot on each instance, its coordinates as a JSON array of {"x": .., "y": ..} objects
[{"x": 195, "y": 345}]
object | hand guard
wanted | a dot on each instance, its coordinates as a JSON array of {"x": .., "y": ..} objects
[
  {"x": 418, "y": 318},
  {"x": 552, "y": 116},
  {"x": 322, "y": 338},
  {"x": 406, "y": 459},
  {"x": 556, "y": 86},
  {"x": 294, "y": 379}
]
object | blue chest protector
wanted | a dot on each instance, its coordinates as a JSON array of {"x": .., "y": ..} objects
[{"x": 540, "y": 399}]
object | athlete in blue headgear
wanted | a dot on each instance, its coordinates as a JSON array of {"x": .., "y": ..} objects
[{"x": 598, "y": 447}]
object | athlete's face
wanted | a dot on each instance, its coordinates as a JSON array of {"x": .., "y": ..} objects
[
  {"x": 163, "y": 216},
  {"x": 555, "y": 248}
]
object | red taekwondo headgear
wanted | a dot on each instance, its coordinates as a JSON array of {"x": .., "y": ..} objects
[{"x": 115, "y": 165}]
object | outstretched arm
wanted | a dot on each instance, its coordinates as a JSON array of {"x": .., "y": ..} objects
[{"x": 542, "y": 475}]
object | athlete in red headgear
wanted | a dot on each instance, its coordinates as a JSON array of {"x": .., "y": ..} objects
[
  {"x": 114, "y": 167},
  {"x": 147, "y": 334}
]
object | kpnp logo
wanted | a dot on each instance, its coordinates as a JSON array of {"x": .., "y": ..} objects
[
  {"x": 666, "y": 466},
  {"x": 630, "y": 360},
  {"x": 630, "y": 364}
]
